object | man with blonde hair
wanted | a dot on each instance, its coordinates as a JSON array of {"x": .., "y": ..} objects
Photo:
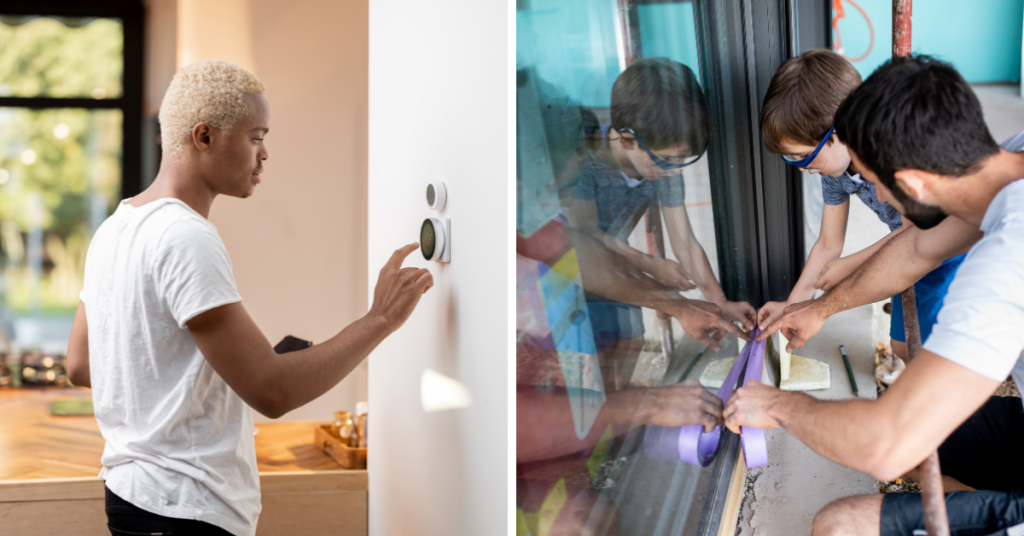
[{"x": 173, "y": 358}]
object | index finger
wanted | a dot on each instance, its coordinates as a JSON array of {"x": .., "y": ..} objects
[
  {"x": 768, "y": 331},
  {"x": 795, "y": 342},
  {"x": 398, "y": 257},
  {"x": 732, "y": 328}
]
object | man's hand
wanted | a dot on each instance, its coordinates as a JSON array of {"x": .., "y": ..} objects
[
  {"x": 768, "y": 318},
  {"x": 800, "y": 322},
  {"x": 682, "y": 404},
  {"x": 741, "y": 312},
  {"x": 834, "y": 271},
  {"x": 398, "y": 289},
  {"x": 670, "y": 273},
  {"x": 749, "y": 406},
  {"x": 703, "y": 321}
]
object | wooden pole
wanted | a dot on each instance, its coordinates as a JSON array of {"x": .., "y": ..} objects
[{"x": 933, "y": 500}]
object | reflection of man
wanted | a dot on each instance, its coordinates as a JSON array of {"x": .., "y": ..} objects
[
  {"x": 917, "y": 132},
  {"x": 174, "y": 360}
]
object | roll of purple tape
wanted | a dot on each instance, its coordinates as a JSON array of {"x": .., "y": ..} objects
[{"x": 691, "y": 444}]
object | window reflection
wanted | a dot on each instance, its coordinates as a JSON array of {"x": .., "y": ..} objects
[{"x": 619, "y": 307}]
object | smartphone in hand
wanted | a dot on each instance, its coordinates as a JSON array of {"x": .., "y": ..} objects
[{"x": 291, "y": 344}]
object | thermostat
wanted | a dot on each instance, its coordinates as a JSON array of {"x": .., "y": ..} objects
[
  {"x": 435, "y": 240},
  {"x": 437, "y": 194}
]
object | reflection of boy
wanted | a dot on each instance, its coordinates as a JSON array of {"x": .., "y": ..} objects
[
  {"x": 796, "y": 122},
  {"x": 659, "y": 125}
]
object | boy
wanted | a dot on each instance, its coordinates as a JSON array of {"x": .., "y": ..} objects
[{"x": 796, "y": 123}]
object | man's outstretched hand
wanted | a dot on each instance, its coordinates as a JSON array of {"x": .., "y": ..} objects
[
  {"x": 398, "y": 289},
  {"x": 749, "y": 406}
]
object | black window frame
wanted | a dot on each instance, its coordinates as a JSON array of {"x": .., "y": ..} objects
[
  {"x": 757, "y": 200},
  {"x": 131, "y": 13}
]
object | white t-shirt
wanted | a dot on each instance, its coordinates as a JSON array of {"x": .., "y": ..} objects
[
  {"x": 179, "y": 440},
  {"x": 981, "y": 324}
]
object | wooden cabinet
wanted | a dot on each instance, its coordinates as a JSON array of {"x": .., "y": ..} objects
[{"x": 48, "y": 485}]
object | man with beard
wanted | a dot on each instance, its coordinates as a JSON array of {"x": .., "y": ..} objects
[{"x": 916, "y": 131}]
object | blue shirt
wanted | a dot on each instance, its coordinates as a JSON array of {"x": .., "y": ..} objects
[
  {"x": 621, "y": 199},
  {"x": 836, "y": 190}
]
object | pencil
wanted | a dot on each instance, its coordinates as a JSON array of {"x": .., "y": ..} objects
[{"x": 849, "y": 370}]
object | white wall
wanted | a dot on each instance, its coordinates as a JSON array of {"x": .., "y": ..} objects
[{"x": 438, "y": 110}]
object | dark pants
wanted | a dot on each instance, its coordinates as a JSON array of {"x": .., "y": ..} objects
[
  {"x": 985, "y": 452},
  {"x": 126, "y": 519}
]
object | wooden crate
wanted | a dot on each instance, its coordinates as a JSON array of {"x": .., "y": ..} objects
[{"x": 346, "y": 456}]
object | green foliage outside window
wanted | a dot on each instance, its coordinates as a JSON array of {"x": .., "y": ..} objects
[{"x": 60, "y": 168}]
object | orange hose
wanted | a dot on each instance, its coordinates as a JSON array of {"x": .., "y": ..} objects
[{"x": 837, "y": 45}]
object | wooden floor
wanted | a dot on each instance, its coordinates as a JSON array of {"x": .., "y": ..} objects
[{"x": 35, "y": 445}]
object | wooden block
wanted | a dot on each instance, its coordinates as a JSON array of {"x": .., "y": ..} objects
[
  {"x": 785, "y": 361},
  {"x": 806, "y": 375},
  {"x": 714, "y": 374}
]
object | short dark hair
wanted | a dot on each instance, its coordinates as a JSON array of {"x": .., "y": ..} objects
[
  {"x": 915, "y": 113},
  {"x": 803, "y": 96},
  {"x": 662, "y": 102}
]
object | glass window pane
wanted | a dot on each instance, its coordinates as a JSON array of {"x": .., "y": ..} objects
[
  {"x": 616, "y": 247},
  {"x": 60, "y": 176},
  {"x": 61, "y": 57}
]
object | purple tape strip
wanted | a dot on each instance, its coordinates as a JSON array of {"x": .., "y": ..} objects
[
  {"x": 755, "y": 448},
  {"x": 691, "y": 444}
]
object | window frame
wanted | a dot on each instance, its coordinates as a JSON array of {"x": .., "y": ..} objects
[{"x": 131, "y": 13}]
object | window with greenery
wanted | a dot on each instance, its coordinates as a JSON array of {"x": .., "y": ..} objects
[{"x": 62, "y": 169}]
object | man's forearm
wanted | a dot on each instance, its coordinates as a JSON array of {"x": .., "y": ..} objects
[
  {"x": 846, "y": 432},
  {"x": 893, "y": 269},
  {"x": 302, "y": 376}
]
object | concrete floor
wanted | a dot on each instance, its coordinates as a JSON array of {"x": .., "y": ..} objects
[{"x": 783, "y": 497}]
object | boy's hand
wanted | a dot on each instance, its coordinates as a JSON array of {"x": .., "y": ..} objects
[
  {"x": 768, "y": 318},
  {"x": 801, "y": 321},
  {"x": 741, "y": 312},
  {"x": 398, "y": 289},
  {"x": 682, "y": 404},
  {"x": 834, "y": 271},
  {"x": 671, "y": 274},
  {"x": 703, "y": 321}
]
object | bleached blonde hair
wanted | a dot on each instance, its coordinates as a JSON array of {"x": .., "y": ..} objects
[{"x": 211, "y": 91}]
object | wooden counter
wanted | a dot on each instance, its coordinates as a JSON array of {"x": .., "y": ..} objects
[{"x": 48, "y": 468}]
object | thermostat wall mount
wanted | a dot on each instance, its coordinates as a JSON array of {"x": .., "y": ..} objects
[
  {"x": 437, "y": 195},
  {"x": 435, "y": 239}
]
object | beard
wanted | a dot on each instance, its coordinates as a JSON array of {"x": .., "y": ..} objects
[{"x": 922, "y": 215}]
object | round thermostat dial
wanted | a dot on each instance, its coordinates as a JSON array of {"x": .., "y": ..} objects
[
  {"x": 434, "y": 240},
  {"x": 437, "y": 195}
]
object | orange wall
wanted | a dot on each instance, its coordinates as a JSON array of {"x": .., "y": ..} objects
[{"x": 298, "y": 245}]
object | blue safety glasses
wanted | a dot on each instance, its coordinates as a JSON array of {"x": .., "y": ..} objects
[
  {"x": 661, "y": 163},
  {"x": 804, "y": 162}
]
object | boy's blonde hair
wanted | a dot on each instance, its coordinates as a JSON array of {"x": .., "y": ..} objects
[
  {"x": 803, "y": 96},
  {"x": 211, "y": 91}
]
